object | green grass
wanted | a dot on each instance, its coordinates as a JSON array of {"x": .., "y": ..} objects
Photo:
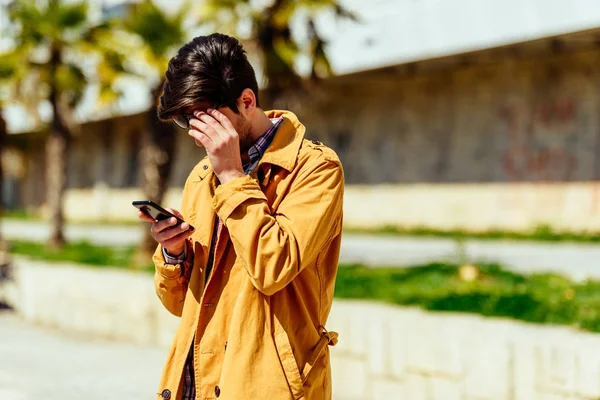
[
  {"x": 21, "y": 215},
  {"x": 108, "y": 222},
  {"x": 487, "y": 290},
  {"x": 540, "y": 298},
  {"x": 81, "y": 252},
  {"x": 542, "y": 233}
]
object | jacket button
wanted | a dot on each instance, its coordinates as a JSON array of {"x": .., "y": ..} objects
[
  {"x": 205, "y": 166},
  {"x": 316, "y": 142},
  {"x": 166, "y": 394},
  {"x": 217, "y": 391}
]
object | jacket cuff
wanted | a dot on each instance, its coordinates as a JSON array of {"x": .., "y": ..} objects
[
  {"x": 169, "y": 271},
  {"x": 232, "y": 194},
  {"x": 178, "y": 259}
]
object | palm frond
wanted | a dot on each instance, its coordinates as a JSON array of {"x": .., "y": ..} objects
[
  {"x": 9, "y": 65},
  {"x": 25, "y": 18},
  {"x": 71, "y": 16},
  {"x": 343, "y": 13},
  {"x": 225, "y": 16},
  {"x": 158, "y": 31},
  {"x": 108, "y": 95},
  {"x": 271, "y": 34},
  {"x": 321, "y": 68},
  {"x": 71, "y": 82}
]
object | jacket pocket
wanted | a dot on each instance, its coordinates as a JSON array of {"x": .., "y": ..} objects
[{"x": 289, "y": 364}]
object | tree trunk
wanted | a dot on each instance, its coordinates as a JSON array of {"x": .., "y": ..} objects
[
  {"x": 57, "y": 150},
  {"x": 57, "y": 153},
  {"x": 5, "y": 265},
  {"x": 3, "y": 134},
  {"x": 157, "y": 162}
]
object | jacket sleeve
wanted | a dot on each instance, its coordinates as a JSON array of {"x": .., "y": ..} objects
[
  {"x": 171, "y": 280},
  {"x": 275, "y": 247}
]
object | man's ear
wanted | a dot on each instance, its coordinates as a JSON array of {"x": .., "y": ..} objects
[{"x": 247, "y": 102}]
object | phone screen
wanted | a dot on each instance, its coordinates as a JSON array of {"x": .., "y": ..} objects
[{"x": 156, "y": 211}]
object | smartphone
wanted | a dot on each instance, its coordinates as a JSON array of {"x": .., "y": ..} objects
[{"x": 156, "y": 211}]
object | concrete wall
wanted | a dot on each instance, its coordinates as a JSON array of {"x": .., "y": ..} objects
[
  {"x": 389, "y": 352},
  {"x": 518, "y": 206},
  {"x": 384, "y": 352},
  {"x": 506, "y": 119},
  {"x": 106, "y": 303},
  {"x": 477, "y": 207}
]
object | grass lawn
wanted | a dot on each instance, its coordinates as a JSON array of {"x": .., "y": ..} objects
[
  {"x": 81, "y": 252},
  {"x": 488, "y": 290},
  {"x": 541, "y": 233},
  {"x": 21, "y": 215}
]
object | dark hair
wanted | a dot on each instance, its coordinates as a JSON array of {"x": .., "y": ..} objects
[{"x": 211, "y": 69}]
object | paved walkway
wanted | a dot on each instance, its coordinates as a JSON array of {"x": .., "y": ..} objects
[
  {"x": 577, "y": 260},
  {"x": 43, "y": 364}
]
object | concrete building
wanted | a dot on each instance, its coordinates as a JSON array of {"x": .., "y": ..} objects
[{"x": 465, "y": 114}]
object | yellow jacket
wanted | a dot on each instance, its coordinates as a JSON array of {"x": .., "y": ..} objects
[{"x": 257, "y": 325}]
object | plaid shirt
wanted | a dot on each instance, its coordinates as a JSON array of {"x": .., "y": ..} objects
[{"x": 255, "y": 153}]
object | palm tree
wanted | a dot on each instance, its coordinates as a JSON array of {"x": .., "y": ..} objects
[
  {"x": 6, "y": 71},
  {"x": 54, "y": 38},
  {"x": 10, "y": 82},
  {"x": 4, "y": 259},
  {"x": 271, "y": 36},
  {"x": 159, "y": 34},
  {"x": 2, "y": 144}
]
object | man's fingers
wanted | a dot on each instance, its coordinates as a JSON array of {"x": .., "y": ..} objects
[
  {"x": 177, "y": 239},
  {"x": 162, "y": 225},
  {"x": 208, "y": 126},
  {"x": 204, "y": 128},
  {"x": 202, "y": 139},
  {"x": 175, "y": 212},
  {"x": 223, "y": 120},
  {"x": 145, "y": 217},
  {"x": 169, "y": 233},
  {"x": 204, "y": 134},
  {"x": 214, "y": 123}
]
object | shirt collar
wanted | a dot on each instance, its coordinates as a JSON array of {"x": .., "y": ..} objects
[{"x": 256, "y": 151}]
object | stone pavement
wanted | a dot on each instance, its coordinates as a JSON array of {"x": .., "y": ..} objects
[{"x": 37, "y": 363}]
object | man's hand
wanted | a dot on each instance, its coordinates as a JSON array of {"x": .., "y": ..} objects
[
  {"x": 171, "y": 238},
  {"x": 215, "y": 132}
]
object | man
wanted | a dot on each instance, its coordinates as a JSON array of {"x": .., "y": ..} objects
[{"x": 253, "y": 283}]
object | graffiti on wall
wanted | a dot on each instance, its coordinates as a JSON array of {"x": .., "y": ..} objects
[{"x": 541, "y": 140}]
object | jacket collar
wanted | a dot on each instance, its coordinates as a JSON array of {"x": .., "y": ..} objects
[{"x": 284, "y": 148}]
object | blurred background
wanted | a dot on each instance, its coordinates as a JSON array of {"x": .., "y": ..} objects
[{"x": 469, "y": 131}]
